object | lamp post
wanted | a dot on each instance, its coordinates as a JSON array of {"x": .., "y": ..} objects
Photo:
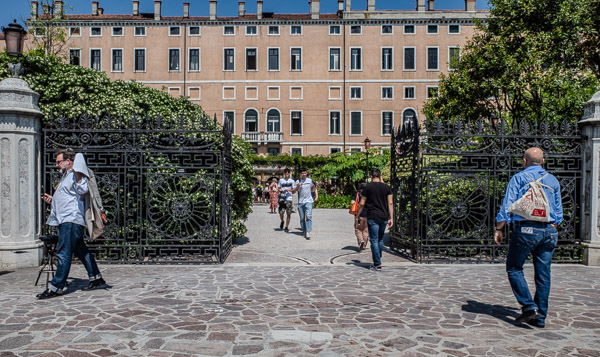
[
  {"x": 367, "y": 147},
  {"x": 14, "y": 36}
]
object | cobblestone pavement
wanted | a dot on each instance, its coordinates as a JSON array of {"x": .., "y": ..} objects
[{"x": 287, "y": 307}]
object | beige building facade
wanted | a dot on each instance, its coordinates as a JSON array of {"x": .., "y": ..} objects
[{"x": 304, "y": 84}]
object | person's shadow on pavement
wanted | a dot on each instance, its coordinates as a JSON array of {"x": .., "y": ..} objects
[
  {"x": 504, "y": 313},
  {"x": 76, "y": 284}
]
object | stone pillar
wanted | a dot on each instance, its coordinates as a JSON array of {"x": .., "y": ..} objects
[
  {"x": 20, "y": 148},
  {"x": 590, "y": 192}
]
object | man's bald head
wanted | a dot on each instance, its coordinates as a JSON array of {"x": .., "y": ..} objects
[{"x": 533, "y": 156}]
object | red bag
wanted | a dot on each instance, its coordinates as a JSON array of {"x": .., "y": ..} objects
[{"x": 354, "y": 207}]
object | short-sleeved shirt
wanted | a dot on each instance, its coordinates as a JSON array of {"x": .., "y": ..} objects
[
  {"x": 285, "y": 184},
  {"x": 377, "y": 201},
  {"x": 304, "y": 192}
]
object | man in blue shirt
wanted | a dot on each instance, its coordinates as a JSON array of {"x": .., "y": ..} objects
[{"x": 530, "y": 237}]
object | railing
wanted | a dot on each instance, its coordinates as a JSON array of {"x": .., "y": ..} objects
[{"x": 263, "y": 137}]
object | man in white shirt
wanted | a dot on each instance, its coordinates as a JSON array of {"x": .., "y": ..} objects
[
  {"x": 305, "y": 187},
  {"x": 286, "y": 187}
]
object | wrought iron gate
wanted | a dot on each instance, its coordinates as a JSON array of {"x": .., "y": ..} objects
[
  {"x": 450, "y": 179},
  {"x": 165, "y": 183}
]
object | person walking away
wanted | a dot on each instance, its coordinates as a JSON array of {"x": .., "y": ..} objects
[
  {"x": 305, "y": 188},
  {"x": 273, "y": 193},
  {"x": 530, "y": 237},
  {"x": 259, "y": 189},
  {"x": 377, "y": 198},
  {"x": 286, "y": 185},
  {"x": 360, "y": 223},
  {"x": 68, "y": 212}
]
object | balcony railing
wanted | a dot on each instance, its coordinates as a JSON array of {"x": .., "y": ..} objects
[{"x": 262, "y": 137}]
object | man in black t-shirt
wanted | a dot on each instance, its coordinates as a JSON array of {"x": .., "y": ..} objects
[{"x": 377, "y": 199}]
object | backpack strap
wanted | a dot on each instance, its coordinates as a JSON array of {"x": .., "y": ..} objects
[{"x": 538, "y": 181}]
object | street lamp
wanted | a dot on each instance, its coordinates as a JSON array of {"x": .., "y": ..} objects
[
  {"x": 14, "y": 36},
  {"x": 367, "y": 147}
]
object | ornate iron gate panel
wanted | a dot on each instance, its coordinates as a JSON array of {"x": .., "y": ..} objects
[
  {"x": 463, "y": 171},
  {"x": 165, "y": 183}
]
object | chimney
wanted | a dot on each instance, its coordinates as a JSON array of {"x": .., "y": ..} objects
[
  {"x": 212, "y": 9},
  {"x": 259, "y": 4},
  {"x": 421, "y": 5},
  {"x": 186, "y": 9},
  {"x": 58, "y": 8},
  {"x": 469, "y": 5},
  {"x": 370, "y": 5},
  {"x": 100, "y": 10},
  {"x": 241, "y": 8},
  {"x": 348, "y": 5},
  {"x": 95, "y": 8},
  {"x": 136, "y": 7},
  {"x": 34, "y": 10},
  {"x": 430, "y": 5},
  {"x": 340, "y": 5},
  {"x": 315, "y": 6},
  {"x": 157, "y": 8}
]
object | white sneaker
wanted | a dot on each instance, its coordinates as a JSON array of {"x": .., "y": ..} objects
[{"x": 307, "y": 235}]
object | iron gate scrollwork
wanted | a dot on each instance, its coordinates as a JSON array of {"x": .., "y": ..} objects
[
  {"x": 165, "y": 183},
  {"x": 448, "y": 191}
]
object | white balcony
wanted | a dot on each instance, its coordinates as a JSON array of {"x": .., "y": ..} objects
[{"x": 261, "y": 137}]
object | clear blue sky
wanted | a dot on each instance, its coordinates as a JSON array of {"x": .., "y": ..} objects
[{"x": 19, "y": 9}]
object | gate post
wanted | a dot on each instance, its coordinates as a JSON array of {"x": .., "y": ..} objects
[
  {"x": 590, "y": 192},
  {"x": 20, "y": 129}
]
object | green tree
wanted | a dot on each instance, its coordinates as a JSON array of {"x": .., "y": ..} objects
[
  {"x": 525, "y": 62},
  {"x": 46, "y": 33}
]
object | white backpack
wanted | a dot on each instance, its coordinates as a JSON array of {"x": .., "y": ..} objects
[{"x": 533, "y": 205}]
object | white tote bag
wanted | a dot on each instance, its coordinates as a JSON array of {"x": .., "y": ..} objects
[{"x": 533, "y": 205}]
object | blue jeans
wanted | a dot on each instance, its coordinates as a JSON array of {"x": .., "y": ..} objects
[
  {"x": 540, "y": 241},
  {"x": 70, "y": 241},
  {"x": 376, "y": 231},
  {"x": 305, "y": 213}
]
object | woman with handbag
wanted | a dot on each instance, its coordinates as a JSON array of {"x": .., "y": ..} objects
[
  {"x": 361, "y": 229},
  {"x": 273, "y": 193}
]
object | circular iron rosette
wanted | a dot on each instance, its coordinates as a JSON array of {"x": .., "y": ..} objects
[
  {"x": 458, "y": 208},
  {"x": 181, "y": 206}
]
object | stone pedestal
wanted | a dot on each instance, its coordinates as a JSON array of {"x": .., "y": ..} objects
[
  {"x": 590, "y": 128},
  {"x": 20, "y": 147}
]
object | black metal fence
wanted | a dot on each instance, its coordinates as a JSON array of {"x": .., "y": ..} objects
[
  {"x": 165, "y": 183},
  {"x": 449, "y": 181}
]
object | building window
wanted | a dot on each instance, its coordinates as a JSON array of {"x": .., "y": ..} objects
[
  {"x": 273, "y": 59},
  {"x": 355, "y": 123},
  {"x": 355, "y": 92},
  {"x": 140, "y": 31},
  {"x": 251, "y": 121},
  {"x": 75, "y": 57},
  {"x": 454, "y": 29},
  {"x": 355, "y": 150},
  {"x": 95, "y": 31},
  {"x": 409, "y": 92},
  {"x": 334, "y": 150},
  {"x": 251, "y": 59},
  {"x": 409, "y": 59},
  {"x": 335, "y": 123},
  {"x": 296, "y": 124},
  {"x": 75, "y": 31},
  {"x": 334, "y": 30},
  {"x": 140, "y": 60},
  {"x": 273, "y": 151},
  {"x": 96, "y": 59},
  {"x": 273, "y": 121},
  {"x": 117, "y": 60},
  {"x": 355, "y": 29},
  {"x": 174, "y": 31},
  {"x": 432, "y": 29},
  {"x": 173, "y": 59},
  {"x": 387, "y": 92},
  {"x": 296, "y": 30},
  {"x": 432, "y": 92},
  {"x": 432, "y": 59},
  {"x": 251, "y": 30},
  {"x": 296, "y": 59},
  {"x": 409, "y": 29},
  {"x": 273, "y": 30},
  {"x": 334, "y": 59},
  {"x": 228, "y": 59},
  {"x": 387, "y": 29},
  {"x": 296, "y": 151},
  {"x": 387, "y": 122},
  {"x": 228, "y": 30},
  {"x": 453, "y": 57},
  {"x": 409, "y": 116},
  {"x": 387, "y": 59},
  {"x": 194, "y": 30},
  {"x": 117, "y": 31},
  {"x": 194, "y": 59},
  {"x": 229, "y": 118},
  {"x": 355, "y": 59}
]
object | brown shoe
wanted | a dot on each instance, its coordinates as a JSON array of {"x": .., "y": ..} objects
[{"x": 361, "y": 246}]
